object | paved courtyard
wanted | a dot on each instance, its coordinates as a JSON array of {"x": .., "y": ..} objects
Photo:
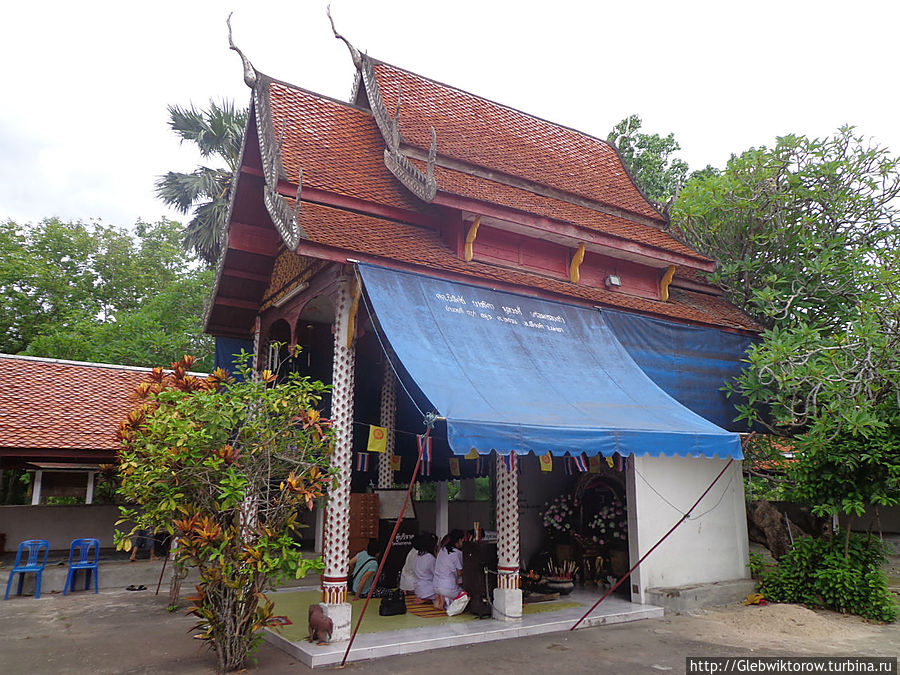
[{"x": 119, "y": 631}]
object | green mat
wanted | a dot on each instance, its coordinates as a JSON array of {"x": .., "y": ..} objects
[{"x": 295, "y": 606}]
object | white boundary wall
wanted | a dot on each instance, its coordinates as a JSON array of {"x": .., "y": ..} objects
[{"x": 702, "y": 550}]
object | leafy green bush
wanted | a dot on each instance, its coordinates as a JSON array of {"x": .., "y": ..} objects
[
  {"x": 816, "y": 573},
  {"x": 757, "y": 565}
]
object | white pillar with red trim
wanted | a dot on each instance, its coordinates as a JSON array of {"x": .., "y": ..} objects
[
  {"x": 508, "y": 594},
  {"x": 336, "y": 554}
]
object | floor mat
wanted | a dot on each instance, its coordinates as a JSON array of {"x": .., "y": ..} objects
[{"x": 424, "y": 609}]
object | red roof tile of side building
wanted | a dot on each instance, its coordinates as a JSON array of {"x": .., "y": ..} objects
[
  {"x": 476, "y": 130},
  {"x": 409, "y": 244},
  {"x": 49, "y": 407}
]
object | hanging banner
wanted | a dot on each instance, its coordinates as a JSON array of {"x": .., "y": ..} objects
[
  {"x": 395, "y": 462},
  {"x": 454, "y": 466},
  {"x": 580, "y": 463},
  {"x": 479, "y": 466},
  {"x": 594, "y": 463},
  {"x": 377, "y": 439},
  {"x": 473, "y": 454},
  {"x": 547, "y": 462}
]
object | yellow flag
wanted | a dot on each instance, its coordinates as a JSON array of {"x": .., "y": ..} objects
[
  {"x": 594, "y": 463},
  {"x": 472, "y": 454},
  {"x": 395, "y": 462},
  {"x": 547, "y": 462},
  {"x": 377, "y": 439},
  {"x": 454, "y": 466}
]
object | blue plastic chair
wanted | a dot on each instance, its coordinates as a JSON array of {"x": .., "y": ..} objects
[
  {"x": 88, "y": 551},
  {"x": 35, "y": 563}
]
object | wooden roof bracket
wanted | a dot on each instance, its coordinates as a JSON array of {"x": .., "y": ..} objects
[
  {"x": 284, "y": 218},
  {"x": 575, "y": 265},
  {"x": 664, "y": 283},
  {"x": 470, "y": 239},
  {"x": 423, "y": 185}
]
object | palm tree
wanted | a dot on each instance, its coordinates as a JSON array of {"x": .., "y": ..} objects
[{"x": 218, "y": 131}]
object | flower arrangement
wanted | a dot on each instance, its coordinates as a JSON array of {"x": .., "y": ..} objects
[
  {"x": 610, "y": 524},
  {"x": 560, "y": 515}
]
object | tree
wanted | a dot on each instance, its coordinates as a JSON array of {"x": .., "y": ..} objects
[
  {"x": 218, "y": 132},
  {"x": 166, "y": 325},
  {"x": 650, "y": 160},
  {"x": 54, "y": 274},
  {"x": 806, "y": 238},
  {"x": 225, "y": 467}
]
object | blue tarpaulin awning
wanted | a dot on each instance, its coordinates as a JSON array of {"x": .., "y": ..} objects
[{"x": 516, "y": 373}]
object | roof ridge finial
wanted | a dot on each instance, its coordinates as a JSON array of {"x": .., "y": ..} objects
[
  {"x": 354, "y": 52},
  {"x": 249, "y": 71}
]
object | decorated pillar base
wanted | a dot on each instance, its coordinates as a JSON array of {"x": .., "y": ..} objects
[
  {"x": 340, "y": 615},
  {"x": 507, "y": 604}
]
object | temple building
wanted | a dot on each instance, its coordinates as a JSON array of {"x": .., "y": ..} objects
[{"x": 448, "y": 262}]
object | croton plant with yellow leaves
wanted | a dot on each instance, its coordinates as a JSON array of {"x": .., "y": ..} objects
[{"x": 225, "y": 466}]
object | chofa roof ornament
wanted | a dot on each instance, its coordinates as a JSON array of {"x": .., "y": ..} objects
[
  {"x": 250, "y": 77},
  {"x": 423, "y": 185},
  {"x": 283, "y": 216}
]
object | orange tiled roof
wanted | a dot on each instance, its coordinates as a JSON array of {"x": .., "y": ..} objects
[
  {"x": 420, "y": 246},
  {"x": 50, "y": 404},
  {"x": 337, "y": 145},
  {"x": 475, "y": 130}
]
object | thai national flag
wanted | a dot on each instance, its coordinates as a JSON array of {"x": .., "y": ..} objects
[
  {"x": 424, "y": 443},
  {"x": 511, "y": 461},
  {"x": 362, "y": 461},
  {"x": 569, "y": 469},
  {"x": 580, "y": 463}
]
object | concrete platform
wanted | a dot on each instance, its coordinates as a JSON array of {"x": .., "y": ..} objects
[
  {"x": 112, "y": 574},
  {"x": 391, "y": 643},
  {"x": 689, "y": 598}
]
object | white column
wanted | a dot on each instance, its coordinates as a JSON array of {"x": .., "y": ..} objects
[
  {"x": 89, "y": 493},
  {"x": 319, "y": 527},
  {"x": 441, "y": 508},
  {"x": 507, "y": 595},
  {"x": 388, "y": 421},
  {"x": 337, "y": 518},
  {"x": 36, "y": 488}
]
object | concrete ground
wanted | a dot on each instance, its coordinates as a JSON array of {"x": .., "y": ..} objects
[{"x": 118, "y": 631}]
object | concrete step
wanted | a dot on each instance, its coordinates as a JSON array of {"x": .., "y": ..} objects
[{"x": 697, "y": 596}]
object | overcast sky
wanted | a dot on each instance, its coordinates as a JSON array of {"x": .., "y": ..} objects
[{"x": 83, "y": 122}]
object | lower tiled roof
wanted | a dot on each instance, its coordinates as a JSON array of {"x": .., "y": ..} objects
[
  {"x": 414, "y": 245},
  {"x": 48, "y": 404}
]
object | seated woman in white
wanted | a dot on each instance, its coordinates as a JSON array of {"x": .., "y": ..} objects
[
  {"x": 448, "y": 570},
  {"x": 424, "y": 546}
]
